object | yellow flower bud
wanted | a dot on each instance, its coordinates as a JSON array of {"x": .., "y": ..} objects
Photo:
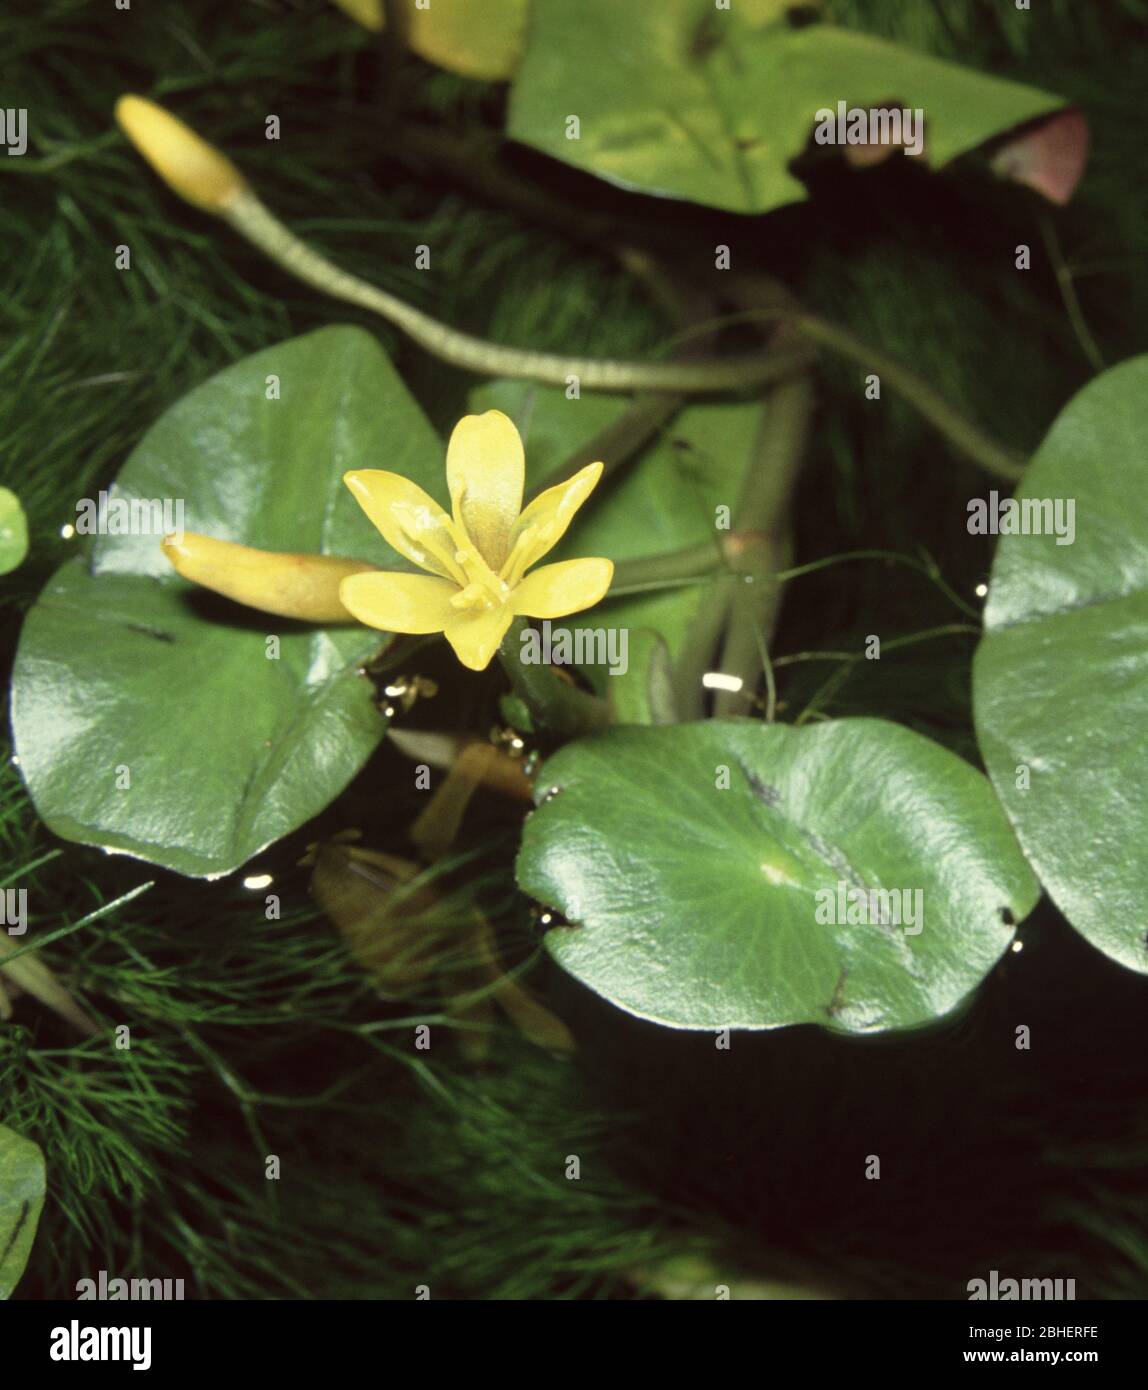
[
  {"x": 402, "y": 933},
  {"x": 290, "y": 586},
  {"x": 187, "y": 164},
  {"x": 399, "y": 934}
]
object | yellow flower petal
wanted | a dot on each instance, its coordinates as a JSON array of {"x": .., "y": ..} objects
[
  {"x": 291, "y": 586},
  {"x": 546, "y": 520},
  {"x": 568, "y": 587},
  {"x": 186, "y": 163},
  {"x": 399, "y": 602},
  {"x": 475, "y": 633},
  {"x": 409, "y": 519},
  {"x": 486, "y": 471}
]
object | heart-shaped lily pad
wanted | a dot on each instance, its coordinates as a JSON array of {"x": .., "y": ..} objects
[
  {"x": 851, "y": 874},
  {"x": 685, "y": 100},
  {"x": 21, "y": 1201},
  {"x": 153, "y": 718},
  {"x": 1060, "y": 681}
]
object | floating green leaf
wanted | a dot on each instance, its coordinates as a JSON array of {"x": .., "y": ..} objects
[
  {"x": 1060, "y": 688},
  {"x": 698, "y": 864},
  {"x": 21, "y": 1201},
  {"x": 156, "y": 719},
  {"x": 13, "y": 532},
  {"x": 681, "y": 99}
]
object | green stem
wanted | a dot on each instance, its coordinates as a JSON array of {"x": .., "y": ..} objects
[
  {"x": 14, "y": 953},
  {"x": 765, "y": 503},
  {"x": 619, "y": 441},
  {"x": 694, "y": 562},
  {"x": 763, "y": 304},
  {"x": 970, "y": 439},
  {"x": 649, "y": 571},
  {"x": 649, "y": 412},
  {"x": 1069, "y": 296},
  {"x": 738, "y": 616},
  {"x": 252, "y": 220},
  {"x": 553, "y": 702}
]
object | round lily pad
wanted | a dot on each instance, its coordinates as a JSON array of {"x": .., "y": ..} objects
[{"x": 851, "y": 874}]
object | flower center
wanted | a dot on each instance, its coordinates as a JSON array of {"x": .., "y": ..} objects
[{"x": 483, "y": 588}]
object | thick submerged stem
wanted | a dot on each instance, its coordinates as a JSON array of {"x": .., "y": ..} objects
[{"x": 556, "y": 704}]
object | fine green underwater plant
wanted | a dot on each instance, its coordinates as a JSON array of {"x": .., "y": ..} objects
[{"x": 640, "y": 752}]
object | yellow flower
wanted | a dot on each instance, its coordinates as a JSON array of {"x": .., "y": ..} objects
[{"x": 476, "y": 559}]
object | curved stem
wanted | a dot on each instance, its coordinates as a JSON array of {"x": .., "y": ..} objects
[
  {"x": 970, "y": 439},
  {"x": 1070, "y": 297},
  {"x": 765, "y": 305},
  {"x": 252, "y": 220}
]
